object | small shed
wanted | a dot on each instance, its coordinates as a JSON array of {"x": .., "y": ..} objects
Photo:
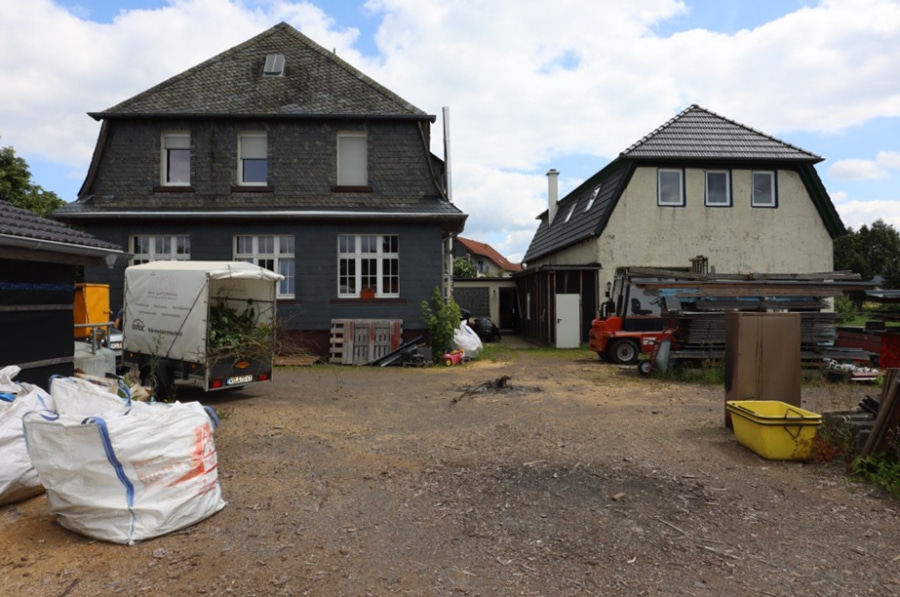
[{"x": 39, "y": 264}]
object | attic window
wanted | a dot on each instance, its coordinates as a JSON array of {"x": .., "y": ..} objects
[
  {"x": 274, "y": 65},
  {"x": 594, "y": 194},
  {"x": 571, "y": 211}
]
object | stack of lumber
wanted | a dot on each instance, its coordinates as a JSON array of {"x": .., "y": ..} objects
[{"x": 887, "y": 422}]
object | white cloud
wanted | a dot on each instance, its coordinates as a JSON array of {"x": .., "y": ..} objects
[
  {"x": 889, "y": 159},
  {"x": 856, "y": 213},
  {"x": 528, "y": 84},
  {"x": 856, "y": 169}
]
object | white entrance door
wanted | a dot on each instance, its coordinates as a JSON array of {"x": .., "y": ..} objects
[{"x": 568, "y": 321}]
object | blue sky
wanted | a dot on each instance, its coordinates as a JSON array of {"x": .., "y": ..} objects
[{"x": 529, "y": 85}]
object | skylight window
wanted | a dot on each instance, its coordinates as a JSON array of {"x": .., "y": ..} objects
[
  {"x": 594, "y": 194},
  {"x": 274, "y": 65},
  {"x": 571, "y": 211}
]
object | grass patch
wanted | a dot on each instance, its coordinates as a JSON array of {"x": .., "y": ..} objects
[{"x": 708, "y": 372}]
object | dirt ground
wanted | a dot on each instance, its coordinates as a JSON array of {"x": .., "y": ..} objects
[{"x": 582, "y": 478}]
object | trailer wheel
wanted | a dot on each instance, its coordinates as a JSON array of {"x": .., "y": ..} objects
[
  {"x": 625, "y": 352},
  {"x": 645, "y": 367}
]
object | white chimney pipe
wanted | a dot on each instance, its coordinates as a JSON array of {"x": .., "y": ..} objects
[{"x": 552, "y": 194}]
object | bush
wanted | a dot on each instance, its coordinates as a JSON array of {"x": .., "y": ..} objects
[{"x": 442, "y": 318}]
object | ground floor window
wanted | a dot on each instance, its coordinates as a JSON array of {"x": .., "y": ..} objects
[
  {"x": 368, "y": 265},
  {"x": 273, "y": 252},
  {"x": 159, "y": 247}
]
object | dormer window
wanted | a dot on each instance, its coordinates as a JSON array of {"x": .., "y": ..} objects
[{"x": 274, "y": 66}]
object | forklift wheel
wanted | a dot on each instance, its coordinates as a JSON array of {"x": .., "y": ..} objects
[{"x": 626, "y": 352}]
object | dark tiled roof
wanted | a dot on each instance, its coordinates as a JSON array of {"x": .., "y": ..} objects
[
  {"x": 315, "y": 82},
  {"x": 26, "y": 225},
  {"x": 490, "y": 252},
  {"x": 697, "y": 133},
  {"x": 601, "y": 192}
]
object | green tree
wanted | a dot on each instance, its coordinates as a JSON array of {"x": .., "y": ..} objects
[
  {"x": 870, "y": 251},
  {"x": 463, "y": 268},
  {"x": 17, "y": 188}
]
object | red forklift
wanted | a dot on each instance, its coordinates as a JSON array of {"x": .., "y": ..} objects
[{"x": 631, "y": 322}]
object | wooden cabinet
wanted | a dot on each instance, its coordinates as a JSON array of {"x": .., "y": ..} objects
[{"x": 762, "y": 357}]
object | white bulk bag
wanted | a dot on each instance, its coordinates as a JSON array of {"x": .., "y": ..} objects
[
  {"x": 82, "y": 398},
  {"x": 466, "y": 340},
  {"x": 128, "y": 477},
  {"x": 18, "y": 479}
]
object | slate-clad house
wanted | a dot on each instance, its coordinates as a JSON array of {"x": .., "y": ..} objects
[
  {"x": 280, "y": 153},
  {"x": 38, "y": 263},
  {"x": 700, "y": 184}
]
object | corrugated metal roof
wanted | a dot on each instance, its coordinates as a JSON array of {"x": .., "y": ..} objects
[
  {"x": 697, "y": 133},
  {"x": 315, "y": 82}
]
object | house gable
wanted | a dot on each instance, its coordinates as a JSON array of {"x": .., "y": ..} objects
[
  {"x": 315, "y": 82},
  {"x": 696, "y": 138},
  {"x": 488, "y": 253}
]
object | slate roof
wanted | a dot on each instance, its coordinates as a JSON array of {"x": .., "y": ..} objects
[
  {"x": 315, "y": 82},
  {"x": 697, "y": 133},
  {"x": 21, "y": 224},
  {"x": 590, "y": 206},
  {"x": 694, "y": 135},
  {"x": 486, "y": 250}
]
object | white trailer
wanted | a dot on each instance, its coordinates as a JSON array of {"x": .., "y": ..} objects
[{"x": 173, "y": 312}]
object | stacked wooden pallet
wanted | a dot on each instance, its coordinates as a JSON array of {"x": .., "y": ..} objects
[{"x": 361, "y": 341}]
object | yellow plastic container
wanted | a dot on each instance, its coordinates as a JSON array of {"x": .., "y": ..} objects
[{"x": 775, "y": 430}]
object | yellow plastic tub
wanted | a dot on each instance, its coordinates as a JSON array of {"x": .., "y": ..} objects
[{"x": 775, "y": 430}]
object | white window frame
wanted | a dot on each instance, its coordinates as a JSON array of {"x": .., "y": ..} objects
[
  {"x": 252, "y": 146},
  {"x": 360, "y": 254},
  {"x": 773, "y": 180},
  {"x": 275, "y": 252},
  {"x": 159, "y": 247},
  {"x": 661, "y": 186},
  {"x": 571, "y": 211},
  {"x": 352, "y": 159},
  {"x": 173, "y": 144},
  {"x": 708, "y": 199}
]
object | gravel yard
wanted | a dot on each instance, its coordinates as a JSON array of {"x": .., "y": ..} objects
[{"x": 576, "y": 478}]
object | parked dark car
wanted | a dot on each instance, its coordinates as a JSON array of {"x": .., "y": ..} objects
[{"x": 485, "y": 328}]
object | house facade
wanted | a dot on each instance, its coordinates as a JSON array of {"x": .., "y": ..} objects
[
  {"x": 279, "y": 153},
  {"x": 700, "y": 184}
]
